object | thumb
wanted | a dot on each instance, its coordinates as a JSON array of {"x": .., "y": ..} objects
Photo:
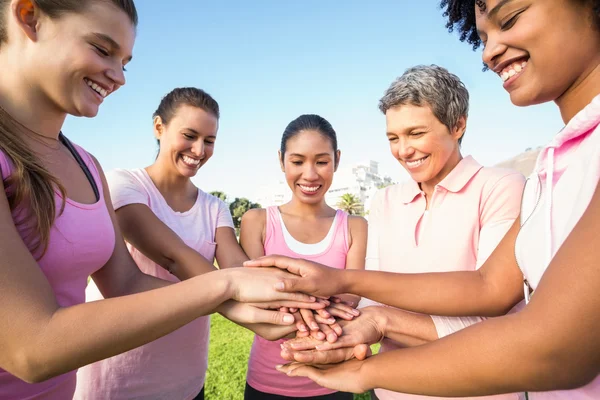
[{"x": 362, "y": 351}]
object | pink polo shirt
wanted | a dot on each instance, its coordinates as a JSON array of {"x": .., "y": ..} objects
[{"x": 470, "y": 211}]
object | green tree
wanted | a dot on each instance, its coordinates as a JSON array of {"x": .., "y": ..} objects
[
  {"x": 238, "y": 208},
  {"x": 350, "y": 204},
  {"x": 219, "y": 195}
]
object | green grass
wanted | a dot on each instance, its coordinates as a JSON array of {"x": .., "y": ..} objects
[{"x": 228, "y": 361}]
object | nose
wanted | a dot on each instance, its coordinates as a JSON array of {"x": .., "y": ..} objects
[
  {"x": 310, "y": 172},
  {"x": 117, "y": 75},
  {"x": 404, "y": 148},
  {"x": 492, "y": 51},
  {"x": 198, "y": 148}
]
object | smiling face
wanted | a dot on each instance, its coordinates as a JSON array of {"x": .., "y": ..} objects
[
  {"x": 187, "y": 141},
  {"x": 83, "y": 55},
  {"x": 309, "y": 163},
  {"x": 541, "y": 49},
  {"x": 425, "y": 147}
]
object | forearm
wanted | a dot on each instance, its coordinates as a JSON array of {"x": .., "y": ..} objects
[
  {"x": 403, "y": 327},
  {"x": 187, "y": 263},
  {"x": 448, "y": 293},
  {"x": 109, "y": 327},
  {"x": 510, "y": 359}
]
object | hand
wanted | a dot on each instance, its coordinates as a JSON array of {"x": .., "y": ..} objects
[
  {"x": 367, "y": 329},
  {"x": 316, "y": 357},
  {"x": 245, "y": 313},
  {"x": 251, "y": 285},
  {"x": 344, "y": 377},
  {"x": 312, "y": 278}
]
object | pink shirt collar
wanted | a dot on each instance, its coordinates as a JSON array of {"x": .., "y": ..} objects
[{"x": 453, "y": 182}]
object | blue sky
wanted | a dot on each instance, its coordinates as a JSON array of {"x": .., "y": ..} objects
[{"x": 268, "y": 61}]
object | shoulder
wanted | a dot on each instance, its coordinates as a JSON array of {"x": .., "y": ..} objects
[
  {"x": 356, "y": 223},
  {"x": 254, "y": 216},
  {"x": 118, "y": 178},
  {"x": 212, "y": 201},
  {"x": 494, "y": 178}
]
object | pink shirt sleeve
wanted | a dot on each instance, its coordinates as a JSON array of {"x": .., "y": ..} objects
[
  {"x": 372, "y": 258},
  {"x": 500, "y": 208},
  {"x": 125, "y": 189},
  {"x": 499, "y": 211},
  {"x": 224, "y": 218}
]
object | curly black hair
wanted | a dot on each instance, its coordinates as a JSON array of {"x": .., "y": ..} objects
[{"x": 461, "y": 16}]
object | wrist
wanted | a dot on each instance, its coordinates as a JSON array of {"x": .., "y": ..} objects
[
  {"x": 229, "y": 288},
  {"x": 367, "y": 375},
  {"x": 346, "y": 280},
  {"x": 381, "y": 318}
]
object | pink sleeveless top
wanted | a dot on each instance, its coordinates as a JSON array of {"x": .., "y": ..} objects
[
  {"x": 82, "y": 240},
  {"x": 265, "y": 355}
]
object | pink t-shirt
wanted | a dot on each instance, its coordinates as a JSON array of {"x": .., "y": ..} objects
[
  {"x": 82, "y": 240},
  {"x": 470, "y": 211},
  {"x": 265, "y": 355},
  {"x": 174, "y": 366},
  {"x": 556, "y": 196}
]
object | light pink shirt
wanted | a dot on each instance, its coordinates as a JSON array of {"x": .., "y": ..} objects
[
  {"x": 174, "y": 366},
  {"x": 265, "y": 355},
  {"x": 82, "y": 240},
  {"x": 557, "y": 194},
  {"x": 470, "y": 211}
]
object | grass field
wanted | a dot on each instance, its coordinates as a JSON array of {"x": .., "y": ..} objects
[{"x": 228, "y": 359}]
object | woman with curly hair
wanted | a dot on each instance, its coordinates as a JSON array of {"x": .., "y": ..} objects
[{"x": 542, "y": 50}]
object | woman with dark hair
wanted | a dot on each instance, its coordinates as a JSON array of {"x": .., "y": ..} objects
[{"x": 309, "y": 228}]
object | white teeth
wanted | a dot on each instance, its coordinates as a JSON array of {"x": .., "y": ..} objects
[
  {"x": 190, "y": 160},
  {"x": 98, "y": 89},
  {"x": 415, "y": 164},
  {"x": 512, "y": 70},
  {"x": 309, "y": 188}
]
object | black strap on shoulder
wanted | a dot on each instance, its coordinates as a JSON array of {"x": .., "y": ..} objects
[{"x": 63, "y": 139}]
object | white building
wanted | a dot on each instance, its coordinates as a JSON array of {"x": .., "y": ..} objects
[{"x": 361, "y": 180}]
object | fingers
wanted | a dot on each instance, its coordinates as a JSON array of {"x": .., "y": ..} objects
[
  {"x": 272, "y": 317},
  {"x": 343, "y": 311},
  {"x": 295, "y": 369},
  {"x": 306, "y": 343},
  {"x": 330, "y": 335},
  {"x": 323, "y": 357},
  {"x": 341, "y": 342},
  {"x": 292, "y": 306},
  {"x": 300, "y": 325},
  {"x": 281, "y": 262},
  {"x": 309, "y": 319}
]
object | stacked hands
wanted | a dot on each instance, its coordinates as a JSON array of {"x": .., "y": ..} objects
[{"x": 322, "y": 326}]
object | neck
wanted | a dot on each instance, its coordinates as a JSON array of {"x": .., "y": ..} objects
[
  {"x": 429, "y": 186},
  {"x": 169, "y": 182},
  {"x": 320, "y": 209},
  {"x": 580, "y": 94},
  {"x": 25, "y": 102}
]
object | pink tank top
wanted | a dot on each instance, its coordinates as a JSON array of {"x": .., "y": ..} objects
[
  {"x": 265, "y": 355},
  {"x": 82, "y": 240}
]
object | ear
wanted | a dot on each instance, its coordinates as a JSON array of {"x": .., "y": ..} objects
[
  {"x": 459, "y": 128},
  {"x": 280, "y": 158},
  {"x": 27, "y": 16},
  {"x": 338, "y": 156},
  {"x": 158, "y": 127}
]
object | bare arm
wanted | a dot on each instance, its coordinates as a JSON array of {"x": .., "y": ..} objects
[
  {"x": 355, "y": 259},
  {"x": 490, "y": 291},
  {"x": 552, "y": 344},
  {"x": 33, "y": 325}
]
